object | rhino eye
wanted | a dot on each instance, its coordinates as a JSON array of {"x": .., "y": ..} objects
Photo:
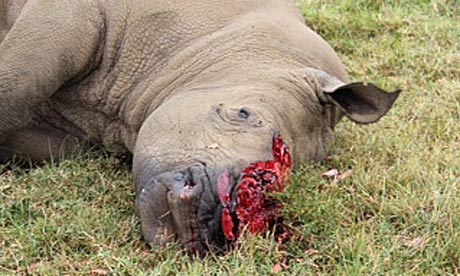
[{"x": 243, "y": 113}]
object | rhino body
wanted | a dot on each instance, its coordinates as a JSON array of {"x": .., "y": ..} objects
[{"x": 191, "y": 89}]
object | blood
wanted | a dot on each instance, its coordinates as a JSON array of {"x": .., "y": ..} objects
[
  {"x": 250, "y": 205},
  {"x": 228, "y": 225}
]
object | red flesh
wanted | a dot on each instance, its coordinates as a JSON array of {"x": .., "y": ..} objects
[
  {"x": 223, "y": 186},
  {"x": 253, "y": 208}
]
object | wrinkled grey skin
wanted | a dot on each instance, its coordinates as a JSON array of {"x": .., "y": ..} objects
[{"x": 190, "y": 88}]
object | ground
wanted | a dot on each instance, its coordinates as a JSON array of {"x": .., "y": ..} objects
[{"x": 398, "y": 214}]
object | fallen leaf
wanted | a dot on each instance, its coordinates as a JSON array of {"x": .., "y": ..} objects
[
  {"x": 332, "y": 173},
  {"x": 31, "y": 268},
  {"x": 145, "y": 254},
  {"x": 277, "y": 268},
  {"x": 336, "y": 175},
  {"x": 415, "y": 243},
  {"x": 344, "y": 175},
  {"x": 98, "y": 272}
]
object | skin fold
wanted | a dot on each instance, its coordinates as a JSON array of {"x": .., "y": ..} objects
[{"x": 191, "y": 89}]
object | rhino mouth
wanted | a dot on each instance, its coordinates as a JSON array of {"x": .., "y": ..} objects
[{"x": 204, "y": 208}]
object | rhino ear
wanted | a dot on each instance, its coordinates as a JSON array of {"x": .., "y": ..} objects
[{"x": 362, "y": 102}]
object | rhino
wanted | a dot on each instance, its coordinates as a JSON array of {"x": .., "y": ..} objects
[{"x": 189, "y": 89}]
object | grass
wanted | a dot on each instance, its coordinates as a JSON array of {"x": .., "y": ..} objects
[{"x": 397, "y": 215}]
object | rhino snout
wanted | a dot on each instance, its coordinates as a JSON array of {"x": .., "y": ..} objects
[{"x": 180, "y": 206}]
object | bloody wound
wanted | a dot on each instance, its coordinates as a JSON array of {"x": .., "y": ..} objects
[{"x": 250, "y": 205}]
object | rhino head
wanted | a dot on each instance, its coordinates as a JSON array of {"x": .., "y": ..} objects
[{"x": 204, "y": 131}]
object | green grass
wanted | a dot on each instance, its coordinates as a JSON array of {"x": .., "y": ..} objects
[{"x": 399, "y": 214}]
